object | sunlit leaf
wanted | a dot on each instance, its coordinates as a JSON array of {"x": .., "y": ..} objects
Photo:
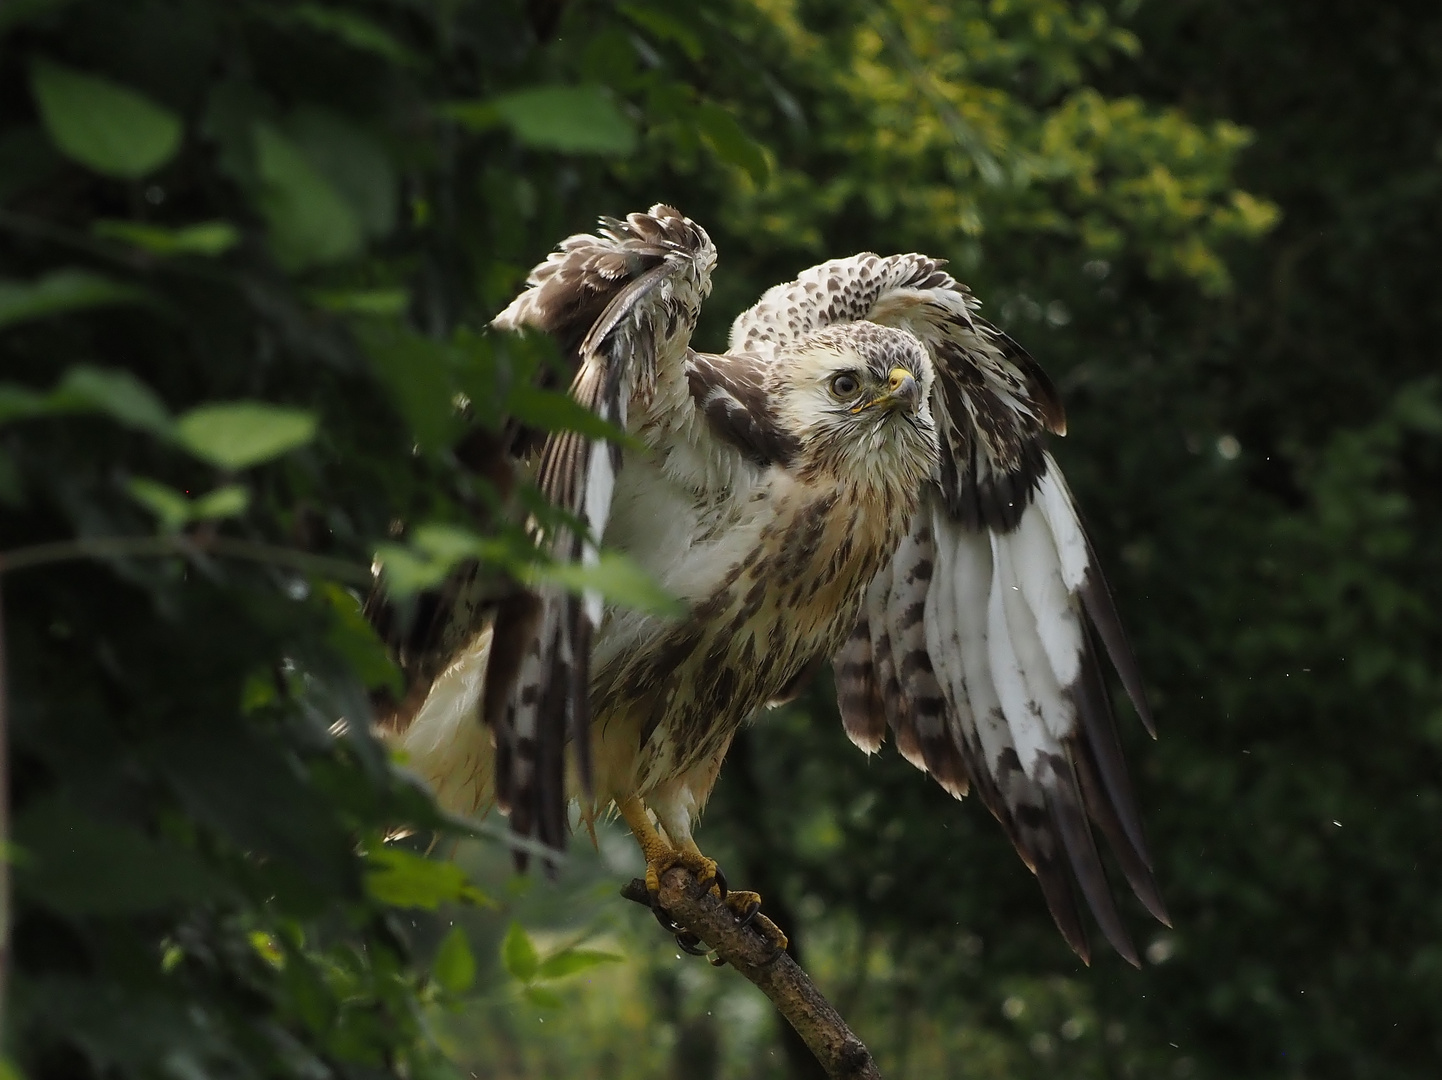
[
  {"x": 402, "y": 879},
  {"x": 206, "y": 238},
  {"x": 101, "y": 124},
  {"x": 571, "y": 961},
  {"x": 454, "y": 966},
  {"x": 236, "y": 435},
  {"x": 62, "y": 291},
  {"x": 518, "y": 954}
]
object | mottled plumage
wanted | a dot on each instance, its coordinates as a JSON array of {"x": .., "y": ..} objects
[{"x": 862, "y": 476}]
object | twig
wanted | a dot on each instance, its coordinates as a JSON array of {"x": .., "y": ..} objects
[{"x": 835, "y": 1046}]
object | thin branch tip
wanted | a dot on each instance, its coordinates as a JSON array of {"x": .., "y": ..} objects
[{"x": 834, "y": 1045}]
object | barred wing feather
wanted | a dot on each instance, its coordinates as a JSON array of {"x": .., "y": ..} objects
[
  {"x": 622, "y": 305},
  {"x": 979, "y": 644}
]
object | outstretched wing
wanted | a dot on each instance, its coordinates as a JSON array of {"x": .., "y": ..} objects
[
  {"x": 622, "y": 305},
  {"x": 979, "y": 644}
]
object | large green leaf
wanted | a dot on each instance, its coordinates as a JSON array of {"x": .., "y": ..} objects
[
  {"x": 62, "y": 291},
  {"x": 402, "y": 879},
  {"x": 572, "y": 119},
  {"x": 310, "y": 221},
  {"x": 101, "y": 124},
  {"x": 236, "y": 435}
]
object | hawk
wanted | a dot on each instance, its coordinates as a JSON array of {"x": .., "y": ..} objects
[{"x": 862, "y": 477}]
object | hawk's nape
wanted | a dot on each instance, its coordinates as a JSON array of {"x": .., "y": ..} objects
[{"x": 978, "y": 646}]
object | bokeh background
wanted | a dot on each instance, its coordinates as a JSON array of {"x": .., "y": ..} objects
[{"x": 1216, "y": 225}]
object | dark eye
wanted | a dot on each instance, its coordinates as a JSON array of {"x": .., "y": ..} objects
[{"x": 845, "y": 385}]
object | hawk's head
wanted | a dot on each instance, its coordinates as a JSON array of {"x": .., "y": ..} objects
[{"x": 857, "y": 399}]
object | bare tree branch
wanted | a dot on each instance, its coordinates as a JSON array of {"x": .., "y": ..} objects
[{"x": 835, "y": 1046}]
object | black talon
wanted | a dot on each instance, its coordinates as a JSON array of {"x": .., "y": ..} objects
[
  {"x": 670, "y": 925},
  {"x": 752, "y": 910},
  {"x": 720, "y": 880},
  {"x": 689, "y": 942}
]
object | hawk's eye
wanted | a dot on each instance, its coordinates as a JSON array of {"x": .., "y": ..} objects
[{"x": 845, "y": 385}]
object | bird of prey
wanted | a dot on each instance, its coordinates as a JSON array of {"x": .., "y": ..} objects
[{"x": 861, "y": 477}]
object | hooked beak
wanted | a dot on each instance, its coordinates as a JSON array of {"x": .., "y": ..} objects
[{"x": 902, "y": 392}]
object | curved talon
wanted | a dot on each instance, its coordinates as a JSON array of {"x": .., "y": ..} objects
[
  {"x": 670, "y": 925},
  {"x": 719, "y": 880},
  {"x": 689, "y": 942},
  {"x": 745, "y": 919}
]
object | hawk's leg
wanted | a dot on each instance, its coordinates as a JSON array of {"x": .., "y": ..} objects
[{"x": 661, "y": 856}]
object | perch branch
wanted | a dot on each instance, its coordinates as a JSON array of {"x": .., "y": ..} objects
[{"x": 835, "y": 1046}]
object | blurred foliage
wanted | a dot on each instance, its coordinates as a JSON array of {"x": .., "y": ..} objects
[{"x": 247, "y": 256}]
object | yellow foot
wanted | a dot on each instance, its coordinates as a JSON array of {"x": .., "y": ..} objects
[
  {"x": 746, "y": 906},
  {"x": 707, "y": 875}
]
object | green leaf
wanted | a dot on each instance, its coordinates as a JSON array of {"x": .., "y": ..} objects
[
  {"x": 401, "y": 879},
  {"x": 83, "y": 864},
  {"x": 571, "y": 961},
  {"x": 572, "y": 119},
  {"x": 721, "y": 132},
  {"x": 417, "y": 371},
  {"x": 350, "y": 159},
  {"x": 385, "y": 302},
  {"x": 62, "y": 291},
  {"x": 355, "y": 30},
  {"x": 553, "y": 410},
  {"x": 229, "y": 501},
  {"x": 454, "y": 966},
  {"x": 311, "y": 223},
  {"x": 543, "y": 998},
  {"x": 616, "y": 577},
  {"x": 207, "y": 238},
  {"x": 665, "y": 27},
  {"x": 101, "y": 124},
  {"x": 518, "y": 954},
  {"x": 353, "y": 636},
  {"x": 239, "y": 434},
  {"x": 118, "y": 393},
  {"x": 168, "y": 505}
]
